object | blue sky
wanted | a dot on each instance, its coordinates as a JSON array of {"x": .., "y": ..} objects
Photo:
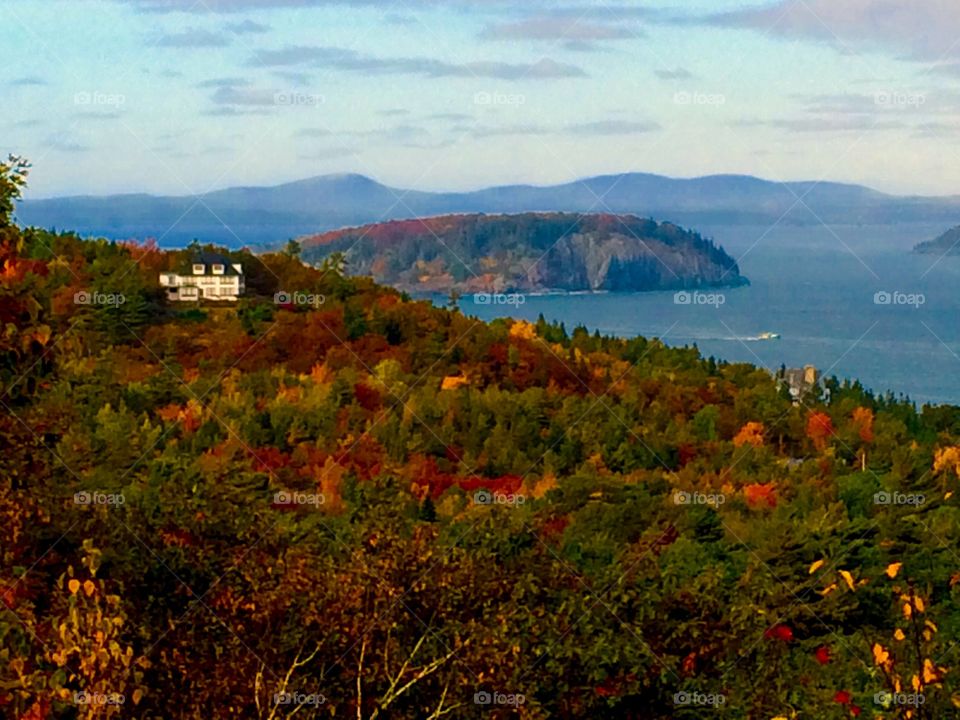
[{"x": 185, "y": 96}]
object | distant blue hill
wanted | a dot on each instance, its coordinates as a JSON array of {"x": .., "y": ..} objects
[{"x": 263, "y": 216}]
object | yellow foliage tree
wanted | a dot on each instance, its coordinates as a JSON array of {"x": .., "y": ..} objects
[{"x": 102, "y": 676}]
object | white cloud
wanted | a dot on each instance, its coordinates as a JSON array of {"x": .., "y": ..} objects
[
  {"x": 917, "y": 29},
  {"x": 344, "y": 59},
  {"x": 192, "y": 38}
]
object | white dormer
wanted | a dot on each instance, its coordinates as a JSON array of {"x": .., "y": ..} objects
[
  {"x": 198, "y": 268},
  {"x": 217, "y": 269}
]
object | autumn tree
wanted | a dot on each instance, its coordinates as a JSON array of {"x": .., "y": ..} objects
[
  {"x": 750, "y": 434},
  {"x": 819, "y": 429}
]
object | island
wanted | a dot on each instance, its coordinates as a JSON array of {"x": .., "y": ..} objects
[
  {"x": 946, "y": 244},
  {"x": 529, "y": 252}
]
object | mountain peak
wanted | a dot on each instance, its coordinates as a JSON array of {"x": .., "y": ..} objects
[{"x": 351, "y": 178}]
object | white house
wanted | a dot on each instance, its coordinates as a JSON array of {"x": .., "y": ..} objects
[{"x": 208, "y": 277}]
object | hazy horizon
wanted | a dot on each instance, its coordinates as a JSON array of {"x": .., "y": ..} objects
[{"x": 480, "y": 188}]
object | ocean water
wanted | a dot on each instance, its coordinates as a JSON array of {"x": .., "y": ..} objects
[{"x": 822, "y": 298}]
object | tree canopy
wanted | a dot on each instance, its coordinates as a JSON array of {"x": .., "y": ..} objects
[{"x": 365, "y": 506}]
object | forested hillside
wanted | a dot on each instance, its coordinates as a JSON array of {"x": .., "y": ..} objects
[
  {"x": 946, "y": 244},
  {"x": 529, "y": 252},
  {"x": 330, "y": 501}
]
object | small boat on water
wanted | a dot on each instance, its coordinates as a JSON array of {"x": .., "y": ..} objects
[{"x": 768, "y": 336}]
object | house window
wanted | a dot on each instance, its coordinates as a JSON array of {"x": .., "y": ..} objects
[
  {"x": 218, "y": 269},
  {"x": 198, "y": 269}
]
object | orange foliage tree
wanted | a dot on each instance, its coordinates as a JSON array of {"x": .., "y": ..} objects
[
  {"x": 819, "y": 429},
  {"x": 750, "y": 434}
]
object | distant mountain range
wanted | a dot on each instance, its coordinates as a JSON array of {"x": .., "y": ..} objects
[
  {"x": 529, "y": 252},
  {"x": 263, "y": 216}
]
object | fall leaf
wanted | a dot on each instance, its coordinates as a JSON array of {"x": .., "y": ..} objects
[
  {"x": 822, "y": 655},
  {"x": 779, "y": 632},
  {"x": 880, "y": 654},
  {"x": 893, "y": 569},
  {"x": 931, "y": 673},
  {"x": 848, "y": 579},
  {"x": 816, "y": 566},
  {"x": 73, "y": 586}
]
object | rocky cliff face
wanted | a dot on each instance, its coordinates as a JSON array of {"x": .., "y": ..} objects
[{"x": 530, "y": 252}]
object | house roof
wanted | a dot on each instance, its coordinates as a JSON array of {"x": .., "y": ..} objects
[
  {"x": 797, "y": 378},
  {"x": 208, "y": 260}
]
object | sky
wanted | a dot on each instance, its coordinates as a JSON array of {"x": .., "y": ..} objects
[{"x": 187, "y": 96}]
